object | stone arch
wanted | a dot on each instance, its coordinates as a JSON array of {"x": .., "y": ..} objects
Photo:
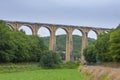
[
  {"x": 77, "y": 33},
  {"x": 45, "y": 33},
  {"x": 61, "y": 49},
  {"x": 27, "y": 28},
  {"x": 45, "y": 27},
  {"x": 78, "y": 30},
  {"x": 76, "y": 53},
  {"x": 62, "y": 28},
  {"x": 92, "y": 34},
  {"x": 96, "y": 32},
  {"x": 106, "y": 31},
  {"x": 10, "y": 27}
]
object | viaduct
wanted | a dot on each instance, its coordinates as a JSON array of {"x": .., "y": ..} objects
[{"x": 15, "y": 25}]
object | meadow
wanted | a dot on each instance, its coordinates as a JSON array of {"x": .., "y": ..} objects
[{"x": 48, "y": 74}]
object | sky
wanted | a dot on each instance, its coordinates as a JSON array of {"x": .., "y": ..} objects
[{"x": 93, "y": 13}]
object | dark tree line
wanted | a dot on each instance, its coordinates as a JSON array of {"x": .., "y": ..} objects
[{"x": 105, "y": 49}]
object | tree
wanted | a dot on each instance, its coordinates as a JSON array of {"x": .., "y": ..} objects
[
  {"x": 90, "y": 54},
  {"x": 5, "y": 44},
  {"x": 15, "y": 46},
  {"x": 101, "y": 47},
  {"x": 115, "y": 44},
  {"x": 50, "y": 59}
]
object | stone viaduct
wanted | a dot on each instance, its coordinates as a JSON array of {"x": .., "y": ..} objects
[{"x": 15, "y": 25}]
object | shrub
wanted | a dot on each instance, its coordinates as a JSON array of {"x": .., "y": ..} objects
[
  {"x": 49, "y": 60},
  {"x": 70, "y": 65},
  {"x": 90, "y": 55}
]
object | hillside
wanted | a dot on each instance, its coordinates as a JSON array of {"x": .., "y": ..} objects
[{"x": 61, "y": 42}]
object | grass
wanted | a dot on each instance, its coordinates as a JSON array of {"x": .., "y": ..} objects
[
  {"x": 31, "y": 71},
  {"x": 50, "y": 74},
  {"x": 11, "y": 67}
]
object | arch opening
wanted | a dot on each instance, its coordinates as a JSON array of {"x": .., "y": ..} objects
[
  {"x": 77, "y": 44},
  {"x": 106, "y": 31},
  {"x": 10, "y": 27},
  {"x": 26, "y": 29},
  {"x": 61, "y": 42},
  {"x": 92, "y": 36},
  {"x": 44, "y": 33}
]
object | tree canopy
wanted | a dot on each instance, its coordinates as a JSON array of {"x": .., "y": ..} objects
[
  {"x": 115, "y": 44},
  {"x": 106, "y": 47},
  {"x": 15, "y": 46}
]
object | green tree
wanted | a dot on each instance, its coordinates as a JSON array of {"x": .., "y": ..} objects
[
  {"x": 15, "y": 46},
  {"x": 50, "y": 59},
  {"x": 90, "y": 54},
  {"x": 5, "y": 44},
  {"x": 115, "y": 44},
  {"x": 101, "y": 47},
  {"x": 37, "y": 47}
]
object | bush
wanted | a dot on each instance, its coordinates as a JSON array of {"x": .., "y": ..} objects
[
  {"x": 89, "y": 53},
  {"x": 70, "y": 65},
  {"x": 49, "y": 60},
  {"x": 16, "y": 47}
]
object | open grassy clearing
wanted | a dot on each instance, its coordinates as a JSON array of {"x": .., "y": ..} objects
[{"x": 52, "y": 74}]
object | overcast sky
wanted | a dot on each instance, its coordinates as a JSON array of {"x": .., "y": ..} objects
[{"x": 93, "y": 13}]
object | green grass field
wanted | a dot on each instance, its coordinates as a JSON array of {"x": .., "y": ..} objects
[{"x": 52, "y": 74}]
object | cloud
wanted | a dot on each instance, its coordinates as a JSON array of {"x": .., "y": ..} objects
[
  {"x": 84, "y": 3},
  {"x": 78, "y": 12}
]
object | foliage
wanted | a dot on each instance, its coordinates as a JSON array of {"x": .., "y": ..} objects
[
  {"x": 98, "y": 51},
  {"x": 90, "y": 54},
  {"x": 50, "y": 59},
  {"x": 115, "y": 44},
  {"x": 106, "y": 47},
  {"x": 5, "y": 44},
  {"x": 53, "y": 74},
  {"x": 15, "y": 46},
  {"x": 18, "y": 67},
  {"x": 101, "y": 47},
  {"x": 70, "y": 65}
]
